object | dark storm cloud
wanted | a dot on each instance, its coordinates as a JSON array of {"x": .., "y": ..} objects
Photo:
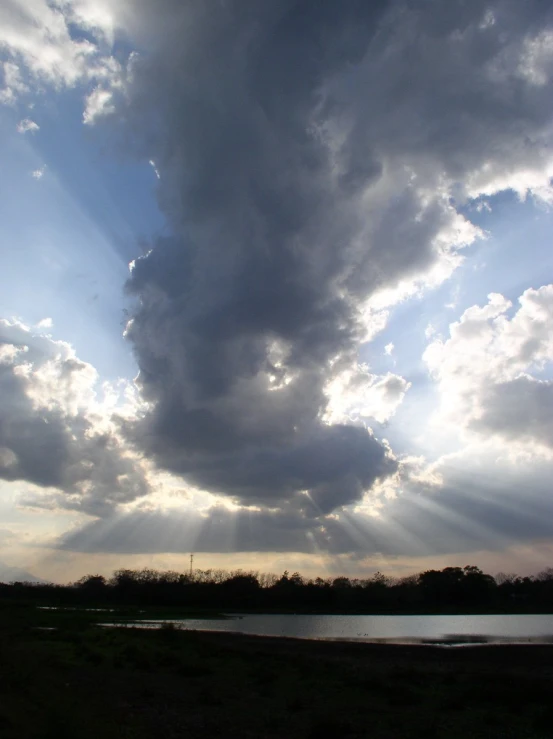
[
  {"x": 456, "y": 85},
  {"x": 310, "y": 153},
  {"x": 334, "y": 460},
  {"x": 47, "y": 436},
  {"x": 246, "y": 288}
]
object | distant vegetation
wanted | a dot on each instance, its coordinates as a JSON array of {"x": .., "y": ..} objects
[{"x": 453, "y": 589}]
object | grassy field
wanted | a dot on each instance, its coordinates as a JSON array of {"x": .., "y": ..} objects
[{"x": 72, "y": 678}]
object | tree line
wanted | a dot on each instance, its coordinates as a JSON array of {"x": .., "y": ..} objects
[{"x": 452, "y": 589}]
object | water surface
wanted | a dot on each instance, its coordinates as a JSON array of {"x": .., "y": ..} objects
[{"x": 453, "y": 630}]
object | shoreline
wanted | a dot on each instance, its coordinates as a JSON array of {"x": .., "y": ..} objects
[
  {"x": 532, "y": 653},
  {"x": 453, "y": 641},
  {"x": 82, "y": 680}
]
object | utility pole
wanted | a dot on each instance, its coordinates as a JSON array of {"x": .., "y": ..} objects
[{"x": 191, "y": 565}]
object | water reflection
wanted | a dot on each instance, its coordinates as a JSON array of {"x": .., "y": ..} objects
[{"x": 438, "y": 630}]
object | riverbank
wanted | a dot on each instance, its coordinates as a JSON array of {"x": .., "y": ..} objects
[{"x": 79, "y": 680}]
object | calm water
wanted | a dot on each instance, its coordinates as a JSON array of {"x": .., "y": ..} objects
[{"x": 440, "y": 629}]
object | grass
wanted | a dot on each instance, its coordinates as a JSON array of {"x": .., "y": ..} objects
[{"x": 80, "y": 680}]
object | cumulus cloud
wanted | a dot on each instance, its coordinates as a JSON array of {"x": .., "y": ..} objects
[
  {"x": 357, "y": 394},
  {"x": 461, "y": 117},
  {"x": 27, "y": 125},
  {"x": 61, "y": 44},
  {"x": 45, "y": 323},
  {"x": 317, "y": 159},
  {"x": 311, "y": 178},
  {"x": 488, "y": 369},
  {"x": 55, "y": 433},
  {"x": 99, "y": 103},
  {"x": 13, "y": 83}
]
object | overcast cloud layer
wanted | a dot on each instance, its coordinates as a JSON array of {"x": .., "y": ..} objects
[{"x": 314, "y": 161}]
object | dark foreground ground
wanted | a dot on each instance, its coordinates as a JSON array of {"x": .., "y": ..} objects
[{"x": 82, "y": 681}]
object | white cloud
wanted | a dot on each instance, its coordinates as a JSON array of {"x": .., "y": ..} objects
[
  {"x": 358, "y": 396},
  {"x": 388, "y": 349},
  {"x": 27, "y": 125},
  {"x": 488, "y": 369},
  {"x": 98, "y": 16},
  {"x": 41, "y": 48},
  {"x": 58, "y": 431},
  {"x": 38, "y": 35},
  {"x": 153, "y": 166},
  {"x": 429, "y": 331},
  {"x": 13, "y": 84},
  {"x": 38, "y": 174},
  {"x": 98, "y": 104}
]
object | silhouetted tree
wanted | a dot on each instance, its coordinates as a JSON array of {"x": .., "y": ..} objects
[{"x": 450, "y": 589}]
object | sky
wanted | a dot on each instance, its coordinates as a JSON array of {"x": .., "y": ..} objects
[{"x": 276, "y": 285}]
